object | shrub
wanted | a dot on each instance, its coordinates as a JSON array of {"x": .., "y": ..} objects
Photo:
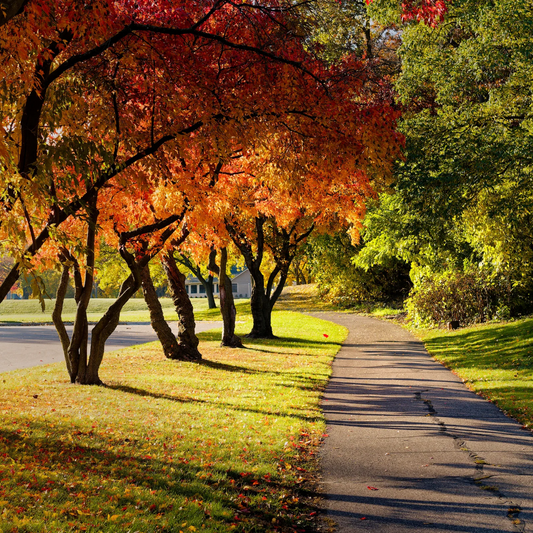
[{"x": 466, "y": 297}]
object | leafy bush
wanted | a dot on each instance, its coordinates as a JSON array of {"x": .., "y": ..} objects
[{"x": 466, "y": 297}]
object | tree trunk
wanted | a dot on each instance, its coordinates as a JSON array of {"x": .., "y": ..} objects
[
  {"x": 208, "y": 284},
  {"x": 157, "y": 318},
  {"x": 77, "y": 350},
  {"x": 210, "y": 292},
  {"x": 187, "y": 339},
  {"x": 260, "y": 307},
  {"x": 57, "y": 319},
  {"x": 105, "y": 327},
  {"x": 227, "y": 304}
]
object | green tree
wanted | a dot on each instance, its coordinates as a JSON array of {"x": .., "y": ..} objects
[{"x": 462, "y": 193}]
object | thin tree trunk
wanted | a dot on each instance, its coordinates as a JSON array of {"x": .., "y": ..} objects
[
  {"x": 227, "y": 304},
  {"x": 58, "y": 321},
  {"x": 157, "y": 318},
  {"x": 77, "y": 351},
  {"x": 187, "y": 339},
  {"x": 210, "y": 292},
  {"x": 208, "y": 284}
]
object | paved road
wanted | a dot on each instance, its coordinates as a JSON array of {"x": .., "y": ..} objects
[
  {"x": 26, "y": 346},
  {"x": 410, "y": 449}
]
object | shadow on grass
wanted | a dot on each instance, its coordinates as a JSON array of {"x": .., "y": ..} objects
[
  {"x": 85, "y": 481},
  {"x": 281, "y": 342},
  {"x": 144, "y": 393},
  {"x": 306, "y": 385}
]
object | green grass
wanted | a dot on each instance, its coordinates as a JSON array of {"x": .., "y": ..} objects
[
  {"x": 29, "y": 311},
  {"x": 495, "y": 360},
  {"x": 226, "y": 445}
]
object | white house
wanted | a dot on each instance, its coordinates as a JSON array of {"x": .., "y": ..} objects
[{"x": 241, "y": 285}]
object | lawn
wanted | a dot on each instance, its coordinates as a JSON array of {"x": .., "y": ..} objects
[
  {"x": 135, "y": 310},
  {"x": 495, "y": 360},
  {"x": 226, "y": 445}
]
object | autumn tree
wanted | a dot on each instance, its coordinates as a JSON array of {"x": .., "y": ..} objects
[
  {"x": 136, "y": 246},
  {"x": 70, "y": 66}
]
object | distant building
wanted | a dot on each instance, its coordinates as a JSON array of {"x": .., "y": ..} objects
[{"x": 241, "y": 285}]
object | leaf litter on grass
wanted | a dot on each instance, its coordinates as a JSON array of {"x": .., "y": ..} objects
[{"x": 225, "y": 445}]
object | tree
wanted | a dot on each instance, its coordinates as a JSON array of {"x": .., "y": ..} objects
[
  {"x": 462, "y": 201},
  {"x": 105, "y": 62},
  {"x": 431, "y": 12},
  {"x": 346, "y": 284}
]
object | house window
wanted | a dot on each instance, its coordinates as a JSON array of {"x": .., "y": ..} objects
[
  {"x": 216, "y": 287},
  {"x": 202, "y": 289},
  {"x": 234, "y": 287},
  {"x": 194, "y": 289}
]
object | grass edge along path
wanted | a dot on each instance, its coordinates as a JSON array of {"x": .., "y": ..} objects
[
  {"x": 493, "y": 360},
  {"x": 226, "y": 445}
]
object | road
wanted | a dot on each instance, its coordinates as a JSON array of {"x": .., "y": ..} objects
[
  {"x": 27, "y": 346},
  {"x": 411, "y": 449}
]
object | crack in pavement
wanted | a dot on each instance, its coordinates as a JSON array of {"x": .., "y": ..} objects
[{"x": 479, "y": 476}]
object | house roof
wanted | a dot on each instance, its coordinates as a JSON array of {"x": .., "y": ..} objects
[
  {"x": 244, "y": 273},
  {"x": 194, "y": 280}
]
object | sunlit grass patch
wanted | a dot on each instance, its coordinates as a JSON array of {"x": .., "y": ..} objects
[
  {"x": 225, "y": 445},
  {"x": 495, "y": 360}
]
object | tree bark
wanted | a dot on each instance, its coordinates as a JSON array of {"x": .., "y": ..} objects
[
  {"x": 227, "y": 304},
  {"x": 105, "y": 326},
  {"x": 260, "y": 307},
  {"x": 187, "y": 339},
  {"x": 57, "y": 319},
  {"x": 210, "y": 292},
  {"x": 157, "y": 318}
]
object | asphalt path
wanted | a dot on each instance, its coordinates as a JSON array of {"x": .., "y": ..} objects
[
  {"x": 27, "y": 346},
  {"x": 410, "y": 449}
]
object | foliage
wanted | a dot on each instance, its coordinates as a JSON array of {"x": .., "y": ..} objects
[
  {"x": 346, "y": 285},
  {"x": 227, "y": 445},
  {"x": 467, "y": 297},
  {"x": 463, "y": 190},
  {"x": 495, "y": 360},
  {"x": 430, "y": 12}
]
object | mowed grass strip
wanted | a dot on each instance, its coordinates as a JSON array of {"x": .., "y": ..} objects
[
  {"x": 495, "y": 360},
  {"x": 226, "y": 445},
  {"x": 29, "y": 311}
]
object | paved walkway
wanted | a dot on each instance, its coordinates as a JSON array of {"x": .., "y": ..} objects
[
  {"x": 410, "y": 449},
  {"x": 27, "y": 346}
]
